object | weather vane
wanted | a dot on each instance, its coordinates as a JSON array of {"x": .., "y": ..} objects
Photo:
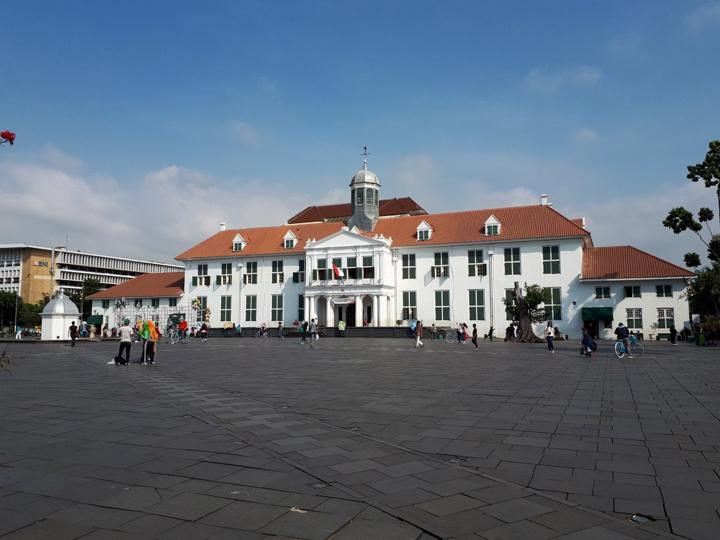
[{"x": 365, "y": 154}]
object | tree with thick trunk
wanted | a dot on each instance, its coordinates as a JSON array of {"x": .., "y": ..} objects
[{"x": 526, "y": 310}]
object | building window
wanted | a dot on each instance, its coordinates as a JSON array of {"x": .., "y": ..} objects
[
  {"x": 442, "y": 265},
  {"x": 553, "y": 308},
  {"x": 368, "y": 270},
  {"x": 301, "y": 308},
  {"x": 251, "y": 308},
  {"x": 138, "y": 302},
  {"x": 408, "y": 266},
  {"x": 276, "y": 313},
  {"x": 602, "y": 292},
  {"x": 106, "y": 304},
  {"x": 442, "y": 305},
  {"x": 320, "y": 273},
  {"x": 278, "y": 276},
  {"x": 289, "y": 243},
  {"x": 172, "y": 302},
  {"x": 299, "y": 276},
  {"x": 200, "y": 317},
  {"x": 492, "y": 230},
  {"x": 202, "y": 269},
  {"x": 632, "y": 291},
  {"x": 250, "y": 273},
  {"x": 509, "y": 304},
  {"x": 409, "y": 305},
  {"x": 225, "y": 277},
  {"x": 551, "y": 259},
  {"x": 423, "y": 234},
  {"x": 476, "y": 266},
  {"x": 477, "y": 304},
  {"x": 359, "y": 196},
  {"x": 351, "y": 271},
  {"x": 664, "y": 290},
  {"x": 512, "y": 261},
  {"x": 237, "y": 246},
  {"x": 666, "y": 317},
  {"x": 225, "y": 307},
  {"x": 202, "y": 276},
  {"x": 634, "y": 318},
  {"x": 155, "y": 302}
]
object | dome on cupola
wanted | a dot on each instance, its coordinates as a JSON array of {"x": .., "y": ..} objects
[{"x": 365, "y": 176}]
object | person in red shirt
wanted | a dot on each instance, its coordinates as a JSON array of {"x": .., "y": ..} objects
[{"x": 182, "y": 328}]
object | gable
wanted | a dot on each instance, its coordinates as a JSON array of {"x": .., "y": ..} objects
[{"x": 343, "y": 239}]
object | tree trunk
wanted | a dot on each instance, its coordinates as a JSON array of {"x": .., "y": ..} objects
[{"x": 525, "y": 330}]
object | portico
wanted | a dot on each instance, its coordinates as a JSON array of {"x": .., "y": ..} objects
[{"x": 356, "y": 308}]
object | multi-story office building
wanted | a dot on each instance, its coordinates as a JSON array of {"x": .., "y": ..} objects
[
  {"x": 26, "y": 270},
  {"x": 383, "y": 263}
]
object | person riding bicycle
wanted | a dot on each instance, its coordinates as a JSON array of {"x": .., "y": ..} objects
[
  {"x": 623, "y": 335},
  {"x": 262, "y": 331},
  {"x": 182, "y": 329}
]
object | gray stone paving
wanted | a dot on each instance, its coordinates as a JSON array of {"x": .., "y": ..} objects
[{"x": 245, "y": 438}]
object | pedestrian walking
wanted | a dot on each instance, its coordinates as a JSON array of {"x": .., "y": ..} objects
[
  {"x": 73, "y": 333},
  {"x": 18, "y": 332},
  {"x": 303, "y": 332},
  {"x": 341, "y": 328},
  {"x": 204, "y": 332},
  {"x": 418, "y": 335},
  {"x": 673, "y": 335},
  {"x": 152, "y": 340},
  {"x": 474, "y": 336},
  {"x": 125, "y": 333},
  {"x": 280, "y": 330},
  {"x": 588, "y": 344},
  {"x": 550, "y": 338},
  {"x": 490, "y": 333},
  {"x": 313, "y": 332}
]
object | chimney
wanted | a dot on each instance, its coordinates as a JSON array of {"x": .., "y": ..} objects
[
  {"x": 544, "y": 199},
  {"x": 222, "y": 226}
]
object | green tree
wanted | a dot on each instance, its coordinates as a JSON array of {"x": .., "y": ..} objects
[
  {"x": 680, "y": 219},
  {"x": 90, "y": 287},
  {"x": 527, "y": 309},
  {"x": 7, "y": 307},
  {"x": 709, "y": 170},
  {"x": 704, "y": 291}
]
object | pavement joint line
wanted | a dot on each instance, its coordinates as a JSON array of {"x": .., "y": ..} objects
[{"x": 359, "y": 496}]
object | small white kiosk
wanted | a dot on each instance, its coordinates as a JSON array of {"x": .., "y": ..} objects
[{"x": 57, "y": 317}]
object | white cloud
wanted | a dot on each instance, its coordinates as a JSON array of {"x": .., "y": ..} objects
[
  {"x": 585, "y": 135},
  {"x": 244, "y": 132},
  {"x": 635, "y": 219},
  {"x": 156, "y": 217},
  {"x": 550, "y": 80},
  {"x": 55, "y": 158},
  {"x": 704, "y": 16}
]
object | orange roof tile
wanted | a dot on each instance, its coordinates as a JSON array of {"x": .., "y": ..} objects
[
  {"x": 335, "y": 212},
  {"x": 165, "y": 284},
  {"x": 517, "y": 223},
  {"x": 627, "y": 262},
  {"x": 579, "y": 221}
]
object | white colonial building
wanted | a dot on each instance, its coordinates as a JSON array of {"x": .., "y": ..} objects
[{"x": 400, "y": 263}]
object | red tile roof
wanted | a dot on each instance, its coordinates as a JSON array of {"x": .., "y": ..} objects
[
  {"x": 627, "y": 262},
  {"x": 165, "y": 284},
  {"x": 517, "y": 223},
  {"x": 339, "y": 212},
  {"x": 579, "y": 221}
]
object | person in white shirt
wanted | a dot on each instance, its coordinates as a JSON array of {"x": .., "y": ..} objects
[
  {"x": 125, "y": 334},
  {"x": 550, "y": 337}
]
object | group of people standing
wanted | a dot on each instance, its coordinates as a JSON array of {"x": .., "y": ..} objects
[{"x": 147, "y": 334}]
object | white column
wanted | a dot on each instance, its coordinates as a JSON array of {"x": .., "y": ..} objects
[
  {"x": 306, "y": 308},
  {"x": 375, "y": 302},
  {"x": 311, "y": 308},
  {"x": 382, "y": 310},
  {"x": 358, "y": 311},
  {"x": 329, "y": 314}
]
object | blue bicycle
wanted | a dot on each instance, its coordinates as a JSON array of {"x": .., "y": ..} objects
[{"x": 636, "y": 348}]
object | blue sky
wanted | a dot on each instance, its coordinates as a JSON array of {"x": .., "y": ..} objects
[{"x": 187, "y": 114}]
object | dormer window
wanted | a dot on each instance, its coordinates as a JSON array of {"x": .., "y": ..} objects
[
  {"x": 492, "y": 226},
  {"x": 238, "y": 243},
  {"x": 289, "y": 240},
  {"x": 424, "y": 231}
]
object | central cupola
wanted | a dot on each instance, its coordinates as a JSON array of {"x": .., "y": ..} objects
[{"x": 364, "y": 197}]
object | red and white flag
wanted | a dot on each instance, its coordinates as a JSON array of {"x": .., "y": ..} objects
[{"x": 337, "y": 271}]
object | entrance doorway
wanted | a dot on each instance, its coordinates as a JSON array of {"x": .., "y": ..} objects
[{"x": 592, "y": 329}]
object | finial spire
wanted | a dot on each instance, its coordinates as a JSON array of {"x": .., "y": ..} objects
[{"x": 365, "y": 154}]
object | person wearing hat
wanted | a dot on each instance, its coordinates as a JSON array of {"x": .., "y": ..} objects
[{"x": 125, "y": 334}]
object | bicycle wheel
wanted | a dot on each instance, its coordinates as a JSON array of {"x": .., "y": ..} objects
[
  {"x": 637, "y": 349},
  {"x": 174, "y": 338},
  {"x": 619, "y": 349},
  {"x": 450, "y": 336}
]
